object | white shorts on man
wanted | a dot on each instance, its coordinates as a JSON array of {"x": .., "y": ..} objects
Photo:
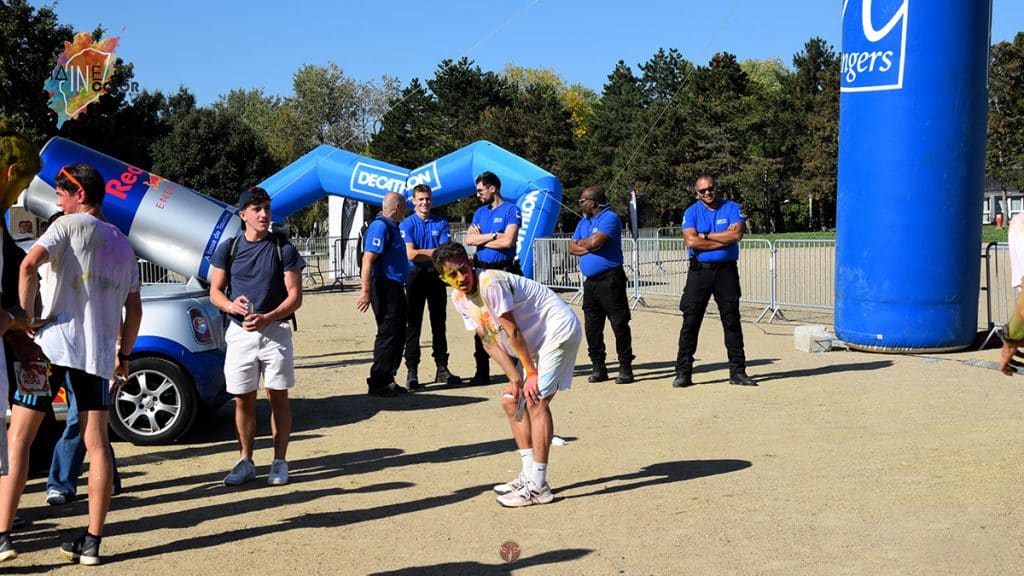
[{"x": 250, "y": 352}]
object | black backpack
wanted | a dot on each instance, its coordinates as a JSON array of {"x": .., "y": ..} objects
[
  {"x": 278, "y": 240},
  {"x": 361, "y": 249}
]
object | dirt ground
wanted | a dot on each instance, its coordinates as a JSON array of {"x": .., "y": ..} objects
[{"x": 838, "y": 463}]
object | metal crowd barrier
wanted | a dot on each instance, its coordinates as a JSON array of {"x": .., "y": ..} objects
[
  {"x": 150, "y": 273},
  {"x": 555, "y": 268},
  {"x": 804, "y": 274},
  {"x": 779, "y": 275},
  {"x": 997, "y": 288}
]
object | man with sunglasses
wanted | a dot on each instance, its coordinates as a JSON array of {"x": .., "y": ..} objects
[
  {"x": 96, "y": 276},
  {"x": 598, "y": 243},
  {"x": 712, "y": 228},
  {"x": 517, "y": 318}
]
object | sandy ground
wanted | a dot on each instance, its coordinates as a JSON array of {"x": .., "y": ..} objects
[{"x": 838, "y": 463}]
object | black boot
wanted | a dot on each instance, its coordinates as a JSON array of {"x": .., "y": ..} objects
[
  {"x": 446, "y": 377},
  {"x": 741, "y": 379},
  {"x": 599, "y": 372},
  {"x": 625, "y": 373},
  {"x": 483, "y": 373},
  {"x": 412, "y": 379},
  {"x": 683, "y": 380}
]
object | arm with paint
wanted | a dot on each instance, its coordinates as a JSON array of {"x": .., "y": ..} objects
[{"x": 518, "y": 343}]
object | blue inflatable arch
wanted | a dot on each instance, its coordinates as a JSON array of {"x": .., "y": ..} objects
[{"x": 330, "y": 171}]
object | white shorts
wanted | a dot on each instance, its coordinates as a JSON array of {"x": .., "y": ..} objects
[
  {"x": 556, "y": 364},
  {"x": 249, "y": 354}
]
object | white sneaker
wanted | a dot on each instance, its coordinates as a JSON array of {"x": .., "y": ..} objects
[
  {"x": 278, "y": 473},
  {"x": 55, "y": 497},
  {"x": 242, "y": 472},
  {"x": 528, "y": 495},
  {"x": 512, "y": 485}
]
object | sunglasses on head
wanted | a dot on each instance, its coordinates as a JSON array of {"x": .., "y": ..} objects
[{"x": 64, "y": 171}]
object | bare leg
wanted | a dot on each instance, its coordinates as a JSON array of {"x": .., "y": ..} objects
[
  {"x": 542, "y": 428},
  {"x": 280, "y": 422},
  {"x": 24, "y": 425},
  {"x": 521, "y": 429},
  {"x": 245, "y": 423},
  {"x": 101, "y": 467}
]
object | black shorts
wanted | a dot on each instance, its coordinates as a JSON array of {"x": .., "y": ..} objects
[{"x": 92, "y": 393}]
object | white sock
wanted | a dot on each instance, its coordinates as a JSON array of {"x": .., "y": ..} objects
[
  {"x": 527, "y": 456},
  {"x": 539, "y": 474}
]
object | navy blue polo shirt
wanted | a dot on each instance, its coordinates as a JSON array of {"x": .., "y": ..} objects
[
  {"x": 383, "y": 237},
  {"x": 702, "y": 219},
  {"x": 610, "y": 254},
  {"x": 496, "y": 220},
  {"x": 425, "y": 234}
]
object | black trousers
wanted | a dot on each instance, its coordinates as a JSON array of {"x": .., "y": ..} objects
[
  {"x": 722, "y": 282},
  {"x": 425, "y": 289},
  {"x": 483, "y": 360},
  {"x": 604, "y": 296},
  {"x": 387, "y": 298}
]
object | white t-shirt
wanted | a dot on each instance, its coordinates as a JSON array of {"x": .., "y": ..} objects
[
  {"x": 95, "y": 270},
  {"x": 541, "y": 315}
]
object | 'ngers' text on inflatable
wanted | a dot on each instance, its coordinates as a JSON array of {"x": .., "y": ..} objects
[
  {"x": 179, "y": 228},
  {"x": 327, "y": 170}
]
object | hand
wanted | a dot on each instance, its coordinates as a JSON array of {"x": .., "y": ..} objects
[
  {"x": 239, "y": 306},
  {"x": 364, "y": 301},
  {"x": 120, "y": 373},
  {"x": 531, "y": 389},
  {"x": 255, "y": 322}
]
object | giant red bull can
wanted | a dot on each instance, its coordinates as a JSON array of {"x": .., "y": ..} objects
[
  {"x": 913, "y": 100},
  {"x": 166, "y": 223}
]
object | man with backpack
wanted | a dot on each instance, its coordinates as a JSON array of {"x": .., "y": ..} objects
[
  {"x": 256, "y": 279},
  {"x": 385, "y": 271}
]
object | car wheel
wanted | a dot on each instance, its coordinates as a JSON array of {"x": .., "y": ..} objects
[{"x": 156, "y": 405}]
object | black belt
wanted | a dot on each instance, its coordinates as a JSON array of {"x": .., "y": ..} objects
[
  {"x": 698, "y": 265},
  {"x": 603, "y": 275},
  {"x": 502, "y": 265}
]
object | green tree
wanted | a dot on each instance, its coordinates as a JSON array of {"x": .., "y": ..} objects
[
  {"x": 814, "y": 94},
  {"x": 1004, "y": 157},
  {"x": 213, "y": 152},
  {"x": 720, "y": 143},
  {"x": 254, "y": 108},
  {"x": 407, "y": 135},
  {"x": 30, "y": 40}
]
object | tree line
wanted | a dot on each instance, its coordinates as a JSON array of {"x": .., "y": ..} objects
[{"x": 768, "y": 130}]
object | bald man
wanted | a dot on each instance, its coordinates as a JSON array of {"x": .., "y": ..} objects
[{"x": 385, "y": 271}]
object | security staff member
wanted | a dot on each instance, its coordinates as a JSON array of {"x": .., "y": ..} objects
[
  {"x": 422, "y": 233},
  {"x": 493, "y": 231},
  {"x": 598, "y": 243},
  {"x": 383, "y": 277},
  {"x": 712, "y": 229}
]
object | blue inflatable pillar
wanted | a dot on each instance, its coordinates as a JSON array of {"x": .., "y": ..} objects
[{"x": 911, "y": 173}]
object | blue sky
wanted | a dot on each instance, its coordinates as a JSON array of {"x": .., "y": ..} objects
[{"x": 215, "y": 46}]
